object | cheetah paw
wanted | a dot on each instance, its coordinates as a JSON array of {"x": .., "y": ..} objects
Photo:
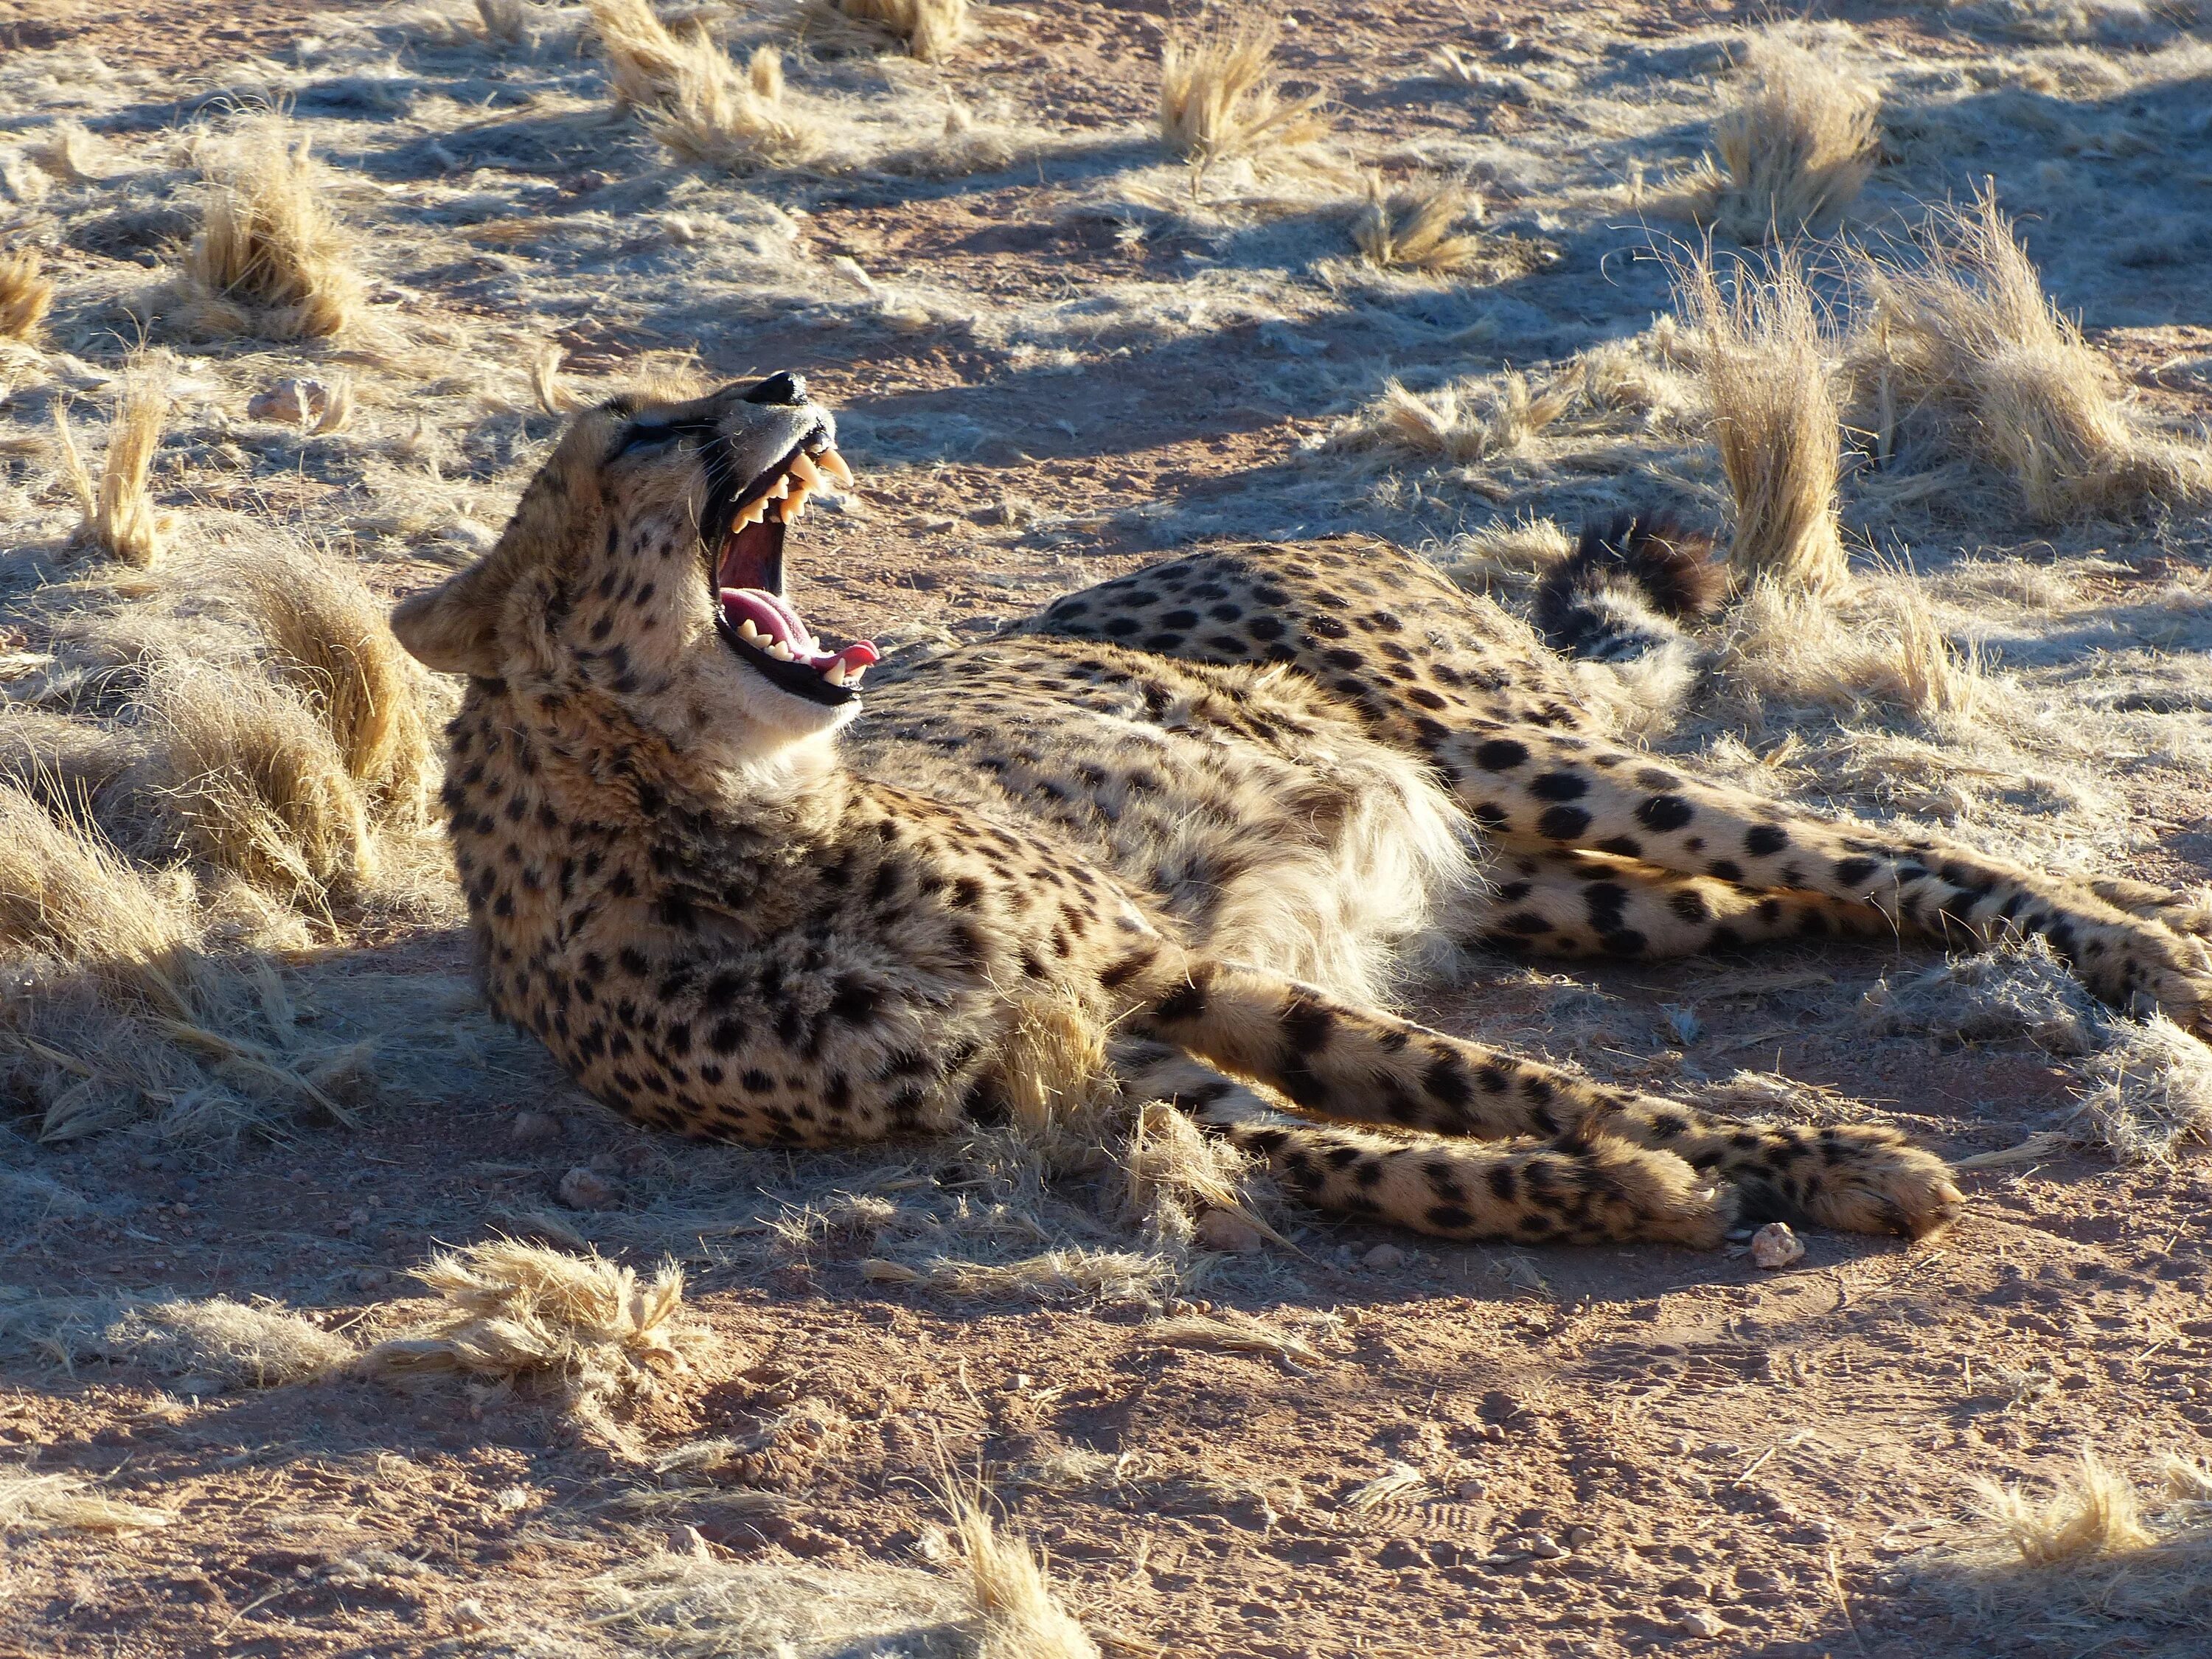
[{"x": 1869, "y": 1180}]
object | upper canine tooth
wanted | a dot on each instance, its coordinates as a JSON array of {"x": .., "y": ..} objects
[
  {"x": 833, "y": 464},
  {"x": 804, "y": 470}
]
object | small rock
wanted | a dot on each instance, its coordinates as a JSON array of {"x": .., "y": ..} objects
[
  {"x": 1400, "y": 1552},
  {"x": 470, "y": 1615},
  {"x": 1775, "y": 1246},
  {"x": 1579, "y": 1535},
  {"x": 1697, "y": 1622},
  {"x": 1384, "y": 1257},
  {"x": 689, "y": 1541},
  {"x": 527, "y": 1127},
  {"x": 1228, "y": 1233},
  {"x": 292, "y": 402},
  {"x": 1468, "y": 1490},
  {"x": 587, "y": 1189},
  {"x": 1544, "y": 1547}
]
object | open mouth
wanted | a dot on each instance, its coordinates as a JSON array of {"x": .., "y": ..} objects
[{"x": 745, "y": 527}]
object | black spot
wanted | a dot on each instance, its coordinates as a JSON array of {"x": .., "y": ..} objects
[
  {"x": 1563, "y": 823},
  {"x": 1855, "y": 873},
  {"x": 1560, "y": 785},
  {"x": 1501, "y": 755},
  {"x": 1764, "y": 840},
  {"x": 1664, "y": 813},
  {"x": 1725, "y": 870}
]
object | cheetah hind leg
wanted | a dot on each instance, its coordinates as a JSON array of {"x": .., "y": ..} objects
[{"x": 1605, "y": 1192}]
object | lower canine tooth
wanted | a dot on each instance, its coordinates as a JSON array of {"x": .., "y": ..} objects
[
  {"x": 852, "y": 674},
  {"x": 835, "y": 673}
]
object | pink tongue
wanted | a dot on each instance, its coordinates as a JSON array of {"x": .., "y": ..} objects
[{"x": 772, "y": 614}]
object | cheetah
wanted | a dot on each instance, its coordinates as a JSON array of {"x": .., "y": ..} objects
[{"x": 1219, "y": 807}]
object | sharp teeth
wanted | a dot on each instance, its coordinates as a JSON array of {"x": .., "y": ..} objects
[
  {"x": 833, "y": 464},
  {"x": 747, "y": 630},
  {"x": 804, "y": 470},
  {"x": 852, "y": 674},
  {"x": 794, "y": 504},
  {"x": 781, "y": 487},
  {"x": 835, "y": 673},
  {"x": 779, "y": 651},
  {"x": 754, "y": 513}
]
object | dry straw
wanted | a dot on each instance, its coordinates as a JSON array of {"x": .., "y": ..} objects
[
  {"x": 930, "y": 30},
  {"x": 713, "y": 114},
  {"x": 1418, "y": 229},
  {"x": 117, "y": 514},
  {"x": 25, "y": 296},
  {"x": 1965, "y": 349},
  {"x": 269, "y": 261},
  {"x": 1792, "y": 155},
  {"x": 1772, "y": 408},
  {"x": 1219, "y": 96},
  {"x": 62, "y": 1503},
  {"x": 641, "y": 54},
  {"x": 589, "y": 1330}
]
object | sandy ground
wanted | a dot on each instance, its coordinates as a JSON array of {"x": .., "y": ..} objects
[{"x": 1046, "y": 372}]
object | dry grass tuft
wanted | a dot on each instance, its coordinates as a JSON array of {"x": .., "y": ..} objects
[
  {"x": 641, "y": 54},
  {"x": 269, "y": 261},
  {"x": 25, "y": 296},
  {"x": 1219, "y": 98},
  {"x": 1418, "y": 229},
  {"x": 546, "y": 385},
  {"x": 71, "y": 899},
  {"x": 260, "y": 784},
  {"x": 1774, "y": 420},
  {"x": 1792, "y": 155},
  {"x": 1877, "y": 651},
  {"x": 507, "y": 23},
  {"x": 69, "y": 153},
  {"x": 235, "y": 1342},
  {"x": 523, "y": 1314},
  {"x": 117, "y": 515},
  {"x": 714, "y": 115},
  {"x": 1965, "y": 351},
  {"x": 62, "y": 1503},
  {"x": 2093, "y": 1513},
  {"x": 1236, "y": 1333},
  {"x": 1016, "y": 1615},
  {"x": 929, "y": 29},
  {"x": 1463, "y": 427},
  {"x": 328, "y": 637},
  {"x": 2148, "y": 1097}
]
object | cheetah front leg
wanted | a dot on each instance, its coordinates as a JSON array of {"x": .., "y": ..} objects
[
  {"x": 1338, "y": 1061},
  {"x": 1572, "y": 794},
  {"x": 1606, "y": 1192}
]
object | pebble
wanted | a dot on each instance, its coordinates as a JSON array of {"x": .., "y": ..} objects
[
  {"x": 1775, "y": 1246},
  {"x": 471, "y": 1615},
  {"x": 528, "y": 1125},
  {"x": 1468, "y": 1490},
  {"x": 292, "y": 402},
  {"x": 1384, "y": 1257},
  {"x": 1697, "y": 1622},
  {"x": 587, "y": 1189},
  {"x": 1228, "y": 1233},
  {"x": 1544, "y": 1547}
]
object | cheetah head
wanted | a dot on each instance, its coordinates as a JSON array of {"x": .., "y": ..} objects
[{"x": 644, "y": 566}]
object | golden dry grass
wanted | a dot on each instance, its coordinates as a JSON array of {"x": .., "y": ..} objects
[
  {"x": 328, "y": 638},
  {"x": 1463, "y": 427},
  {"x": 2149, "y": 1094},
  {"x": 2093, "y": 1512},
  {"x": 33, "y": 1504},
  {"x": 1234, "y": 1332},
  {"x": 1877, "y": 651},
  {"x": 643, "y": 55},
  {"x": 237, "y": 1344},
  {"x": 716, "y": 116},
  {"x": 1774, "y": 421},
  {"x": 67, "y": 897},
  {"x": 69, "y": 153},
  {"x": 1965, "y": 347},
  {"x": 1418, "y": 229},
  {"x": 929, "y": 29},
  {"x": 1219, "y": 96},
  {"x": 258, "y": 784},
  {"x": 25, "y": 296},
  {"x": 117, "y": 514},
  {"x": 504, "y": 21},
  {"x": 1016, "y": 1615},
  {"x": 269, "y": 261},
  {"x": 540, "y": 1319},
  {"x": 1064, "y": 1274},
  {"x": 1792, "y": 154}
]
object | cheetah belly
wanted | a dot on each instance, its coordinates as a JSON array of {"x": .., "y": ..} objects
[{"x": 1273, "y": 831}]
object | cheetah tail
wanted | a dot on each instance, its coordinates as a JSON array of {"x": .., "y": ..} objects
[{"x": 1627, "y": 587}]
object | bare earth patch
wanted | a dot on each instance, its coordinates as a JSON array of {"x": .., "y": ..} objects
[{"x": 970, "y": 1398}]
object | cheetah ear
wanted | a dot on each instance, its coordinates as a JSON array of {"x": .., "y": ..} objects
[{"x": 454, "y": 627}]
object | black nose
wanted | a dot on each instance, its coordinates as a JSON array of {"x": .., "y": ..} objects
[{"x": 784, "y": 388}]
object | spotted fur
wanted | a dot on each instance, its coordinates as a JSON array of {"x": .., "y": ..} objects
[{"x": 1209, "y": 810}]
